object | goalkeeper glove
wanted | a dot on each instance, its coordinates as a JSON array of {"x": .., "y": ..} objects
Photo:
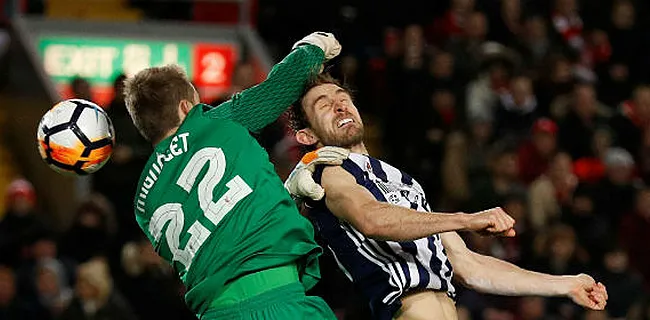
[
  {"x": 301, "y": 184},
  {"x": 326, "y": 41}
]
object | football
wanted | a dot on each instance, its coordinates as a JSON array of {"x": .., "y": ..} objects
[{"x": 75, "y": 137}]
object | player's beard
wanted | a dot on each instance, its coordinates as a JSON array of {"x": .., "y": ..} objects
[{"x": 348, "y": 138}]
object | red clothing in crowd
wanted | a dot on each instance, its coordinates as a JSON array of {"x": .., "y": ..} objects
[
  {"x": 449, "y": 26},
  {"x": 590, "y": 170},
  {"x": 570, "y": 28},
  {"x": 531, "y": 163},
  {"x": 628, "y": 108}
]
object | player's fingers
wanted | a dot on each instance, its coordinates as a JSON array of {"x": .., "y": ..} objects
[
  {"x": 306, "y": 186},
  {"x": 597, "y": 294},
  {"x": 502, "y": 213},
  {"x": 604, "y": 290},
  {"x": 585, "y": 300},
  {"x": 510, "y": 233},
  {"x": 504, "y": 224},
  {"x": 599, "y": 301},
  {"x": 326, "y": 161},
  {"x": 316, "y": 192},
  {"x": 492, "y": 223},
  {"x": 510, "y": 222},
  {"x": 510, "y": 219}
]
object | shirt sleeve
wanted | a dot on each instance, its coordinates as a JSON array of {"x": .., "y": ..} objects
[{"x": 259, "y": 106}]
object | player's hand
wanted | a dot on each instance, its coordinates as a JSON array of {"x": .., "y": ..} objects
[
  {"x": 584, "y": 291},
  {"x": 326, "y": 41},
  {"x": 301, "y": 184},
  {"x": 493, "y": 221}
]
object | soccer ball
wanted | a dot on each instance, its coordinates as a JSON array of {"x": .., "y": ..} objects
[{"x": 75, "y": 137}]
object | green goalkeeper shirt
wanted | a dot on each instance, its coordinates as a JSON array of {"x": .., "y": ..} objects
[{"x": 210, "y": 201}]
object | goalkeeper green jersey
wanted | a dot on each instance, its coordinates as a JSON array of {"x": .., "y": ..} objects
[{"x": 210, "y": 201}]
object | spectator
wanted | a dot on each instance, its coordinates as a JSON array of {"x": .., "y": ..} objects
[
  {"x": 516, "y": 248},
  {"x": 632, "y": 120},
  {"x": 582, "y": 119},
  {"x": 551, "y": 191},
  {"x": 591, "y": 169},
  {"x": 11, "y": 306},
  {"x": 469, "y": 48},
  {"x": 624, "y": 287},
  {"x": 535, "y": 154},
  {"x": 502, "y": 181},
  {"x": 557, "y": 83},
  {"x": 452, "y": 24},
  {"x": 92, "y": 231},
  {"x": 568, "y": 24},
  {"x": 534, "y": 42},
  {"x": 465, "y": 159},
  {"x": 614, "y": 194},
  {"x": 81, "y": 89},
  {"x": 561, "y": 256},
  {"x": 616, "y": 77},
  {"x": 592, "y": 229},
  {"x": 52, "y": 288},
  {"x": 95, "y": 297},
  {"x": 634, "y": 235},
  {"x": 517, "y": 110},
  {"x": 442, "y": 71},
  {"x": 43, "y": 248},
  {"x": 20, "y": 223},
  {"x": 150, "y": 285},
  {"x": 484, "y": 91}
]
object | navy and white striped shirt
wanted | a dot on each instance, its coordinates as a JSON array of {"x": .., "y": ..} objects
[{"x": 383, "y": 271}]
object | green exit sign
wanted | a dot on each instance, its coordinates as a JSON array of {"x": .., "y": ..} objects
[{"x": 100, "y": 60}]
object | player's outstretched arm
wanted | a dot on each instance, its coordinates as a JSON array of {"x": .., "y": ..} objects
[
  {"x": 259, "y": 106},
  {"x": 379, "y": 220},
  {"x": 490, "y": 275}
]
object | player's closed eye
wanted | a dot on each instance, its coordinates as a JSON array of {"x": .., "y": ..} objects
[{"x": 324, "y": 106}]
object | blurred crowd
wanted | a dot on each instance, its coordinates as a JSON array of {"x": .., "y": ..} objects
[{"x": 541, "y": 107}]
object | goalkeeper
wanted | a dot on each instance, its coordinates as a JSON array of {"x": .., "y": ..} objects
[{"x": 210, "y": 201}]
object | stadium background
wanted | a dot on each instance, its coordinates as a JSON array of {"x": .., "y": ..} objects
[{"x": 540, "y": 106}]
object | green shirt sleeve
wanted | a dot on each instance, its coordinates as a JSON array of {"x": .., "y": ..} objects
[{"x": 259, "y": 106}]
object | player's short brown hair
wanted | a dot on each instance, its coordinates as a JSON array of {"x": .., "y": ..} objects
[
  {"x": 296, "y": 113},
  {"x": 152, "y": 97}
]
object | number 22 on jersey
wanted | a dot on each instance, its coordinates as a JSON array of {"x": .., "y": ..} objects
[{"x": 173, "y": 214}]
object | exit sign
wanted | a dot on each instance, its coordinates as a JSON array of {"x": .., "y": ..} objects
[{"x": 100, "y": 60}]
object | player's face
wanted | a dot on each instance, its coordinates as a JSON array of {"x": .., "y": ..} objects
[{"x": 333, "y": 118}]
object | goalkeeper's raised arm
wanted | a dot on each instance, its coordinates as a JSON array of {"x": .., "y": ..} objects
[{"x": 262, "y": 104}]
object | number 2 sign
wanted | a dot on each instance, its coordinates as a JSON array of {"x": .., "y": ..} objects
[{"x": 214, "y": 65}]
